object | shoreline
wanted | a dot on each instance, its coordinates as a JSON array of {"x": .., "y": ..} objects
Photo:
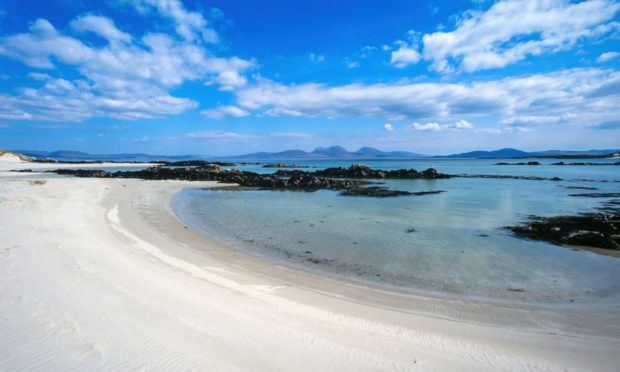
[
  {"x": 382, "y": 287},
  {"x": 133, "y": 271}
]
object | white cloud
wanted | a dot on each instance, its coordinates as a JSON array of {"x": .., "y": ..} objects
[
  {"x": 42, "y": 42},
  {"x": 463, "y": 124},
  {"x": 229, "y": 72},
  {"x": 404, "y": 56},
  {"x": 63, "y": 100},
  {"x": 224, "y": 111},
  {"x": 353, "y": 64},
  {"x": 607, "y": 56},
  {"x": 192, "y": 26},
  {"x": 101, "y": 26},
  {"x": 316, "y": 58},
  {"x": 388, "y": 127},
  {"x": 436, "y": 127},
  {"x": 125, "y": 78},
  {"x": 582, "y": 96},
  {"x": 511, "y": 30}
]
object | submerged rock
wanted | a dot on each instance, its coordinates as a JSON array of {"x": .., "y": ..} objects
[
  {"x": 382, "y": 192},
  {"x": 598, "y": 195},
  {"x": 599, "y": 230},
  {"x": 521, "y": 163},
  {"x": 585, "y": 163},
  {"x": 507, "y": 176}
]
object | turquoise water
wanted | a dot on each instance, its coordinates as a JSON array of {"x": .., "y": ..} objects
[{"x": 451, "y": 243}]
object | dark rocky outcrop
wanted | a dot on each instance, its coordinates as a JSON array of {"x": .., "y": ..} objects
[
  {"x": 284, "y": 165},
  {"x": 600, "y": 229},
  {"x": 364, "y": 171},
  {"x": 585, "y": 163},
  {"x": 303, "y": 181},
  {"x": 521, "y": 163},
  {"x": 199, "y": 163},
  {"x": 598, "y": 195},
  {"x": 507, "y": 176},
  {"x": 383, "y": 192}
]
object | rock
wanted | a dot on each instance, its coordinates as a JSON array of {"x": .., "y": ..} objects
[
  {"x": 284, "y": 165},
  {"x": 382, "y": 192},
  {"x": 301, "y": 181},
  {"x": 507, "y": 176},
  {"x": 374, "y": 191},
  {"x": 364, "y": 171},
  {"x": 586, "y": 163},
  {"x": 199, "y": 163},
  {"x": 598, "y": 195},
  {"x": 600, "y": 230},
  {"x": 523, "y": 163}
]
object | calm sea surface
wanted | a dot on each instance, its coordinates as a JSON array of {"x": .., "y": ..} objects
[{"x": 452, "y": 243}]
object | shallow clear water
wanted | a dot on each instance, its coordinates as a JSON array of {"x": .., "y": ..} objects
[{"x": 445, "y": 243}]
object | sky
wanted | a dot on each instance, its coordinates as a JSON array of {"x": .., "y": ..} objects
[{"x": 224, "y": 77}]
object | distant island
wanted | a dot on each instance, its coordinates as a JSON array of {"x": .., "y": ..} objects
[{"x": 332, "y": 152}]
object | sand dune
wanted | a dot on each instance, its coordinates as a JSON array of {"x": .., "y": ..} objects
[{"x": 99, "y": 275}]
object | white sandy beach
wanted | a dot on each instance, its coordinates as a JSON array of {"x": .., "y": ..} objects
[{"x": 98, "y": 274}]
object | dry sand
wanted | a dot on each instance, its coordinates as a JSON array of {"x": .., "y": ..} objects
[{"x": 98, "y": 274}]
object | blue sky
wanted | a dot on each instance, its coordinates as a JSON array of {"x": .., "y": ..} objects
[{"x": 226, "y": 77}]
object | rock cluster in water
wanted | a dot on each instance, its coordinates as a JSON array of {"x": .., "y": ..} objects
[
  {"x": 284, "y": 165},
  {"x": 364, "y": 171},
  {"x": 521, "y": 163},
  {"x": 585, "y": 163},
  {"x": 599, "y": 230},
  {"x": 295, "y": 180}
]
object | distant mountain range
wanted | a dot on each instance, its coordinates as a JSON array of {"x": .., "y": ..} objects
[
  {"x": 79, "y": 156},
  {"x": 514, "y": 153},
  {"x": 333, "y": 152}
]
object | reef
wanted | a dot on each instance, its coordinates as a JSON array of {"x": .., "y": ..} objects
[
  {"x": 298, "y": 181},
  {"x": 599, "y": 229}
]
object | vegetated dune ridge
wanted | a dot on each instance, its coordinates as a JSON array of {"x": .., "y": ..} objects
[{"x": 98, "y": 274}]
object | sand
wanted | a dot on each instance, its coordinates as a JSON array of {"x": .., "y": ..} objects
[{"x": 98, "y": 274}]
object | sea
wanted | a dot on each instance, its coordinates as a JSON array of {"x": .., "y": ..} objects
[{"x": 452, "y": 243}]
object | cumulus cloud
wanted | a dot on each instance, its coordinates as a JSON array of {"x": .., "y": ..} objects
[
  {"x": 101, "y": 26},
  {"x": 192, "y": 26},
  {"x": 607, "y": 56},
  {"x": 436, "y": 127},
  {"x": 404, "y": 56},
  {"x": 581, "y": 96},
  {"x": 512, "y": 30},
  {"x": 63, "y": 100},
  {"x": 388, "y": 127},
  {"x": 463, "y": 124},
  {"x": 125, "y": 78},
  {"x": 225, "y": 111}
]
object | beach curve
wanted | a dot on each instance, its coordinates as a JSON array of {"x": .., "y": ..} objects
[{"x": 100, "y": 274}]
